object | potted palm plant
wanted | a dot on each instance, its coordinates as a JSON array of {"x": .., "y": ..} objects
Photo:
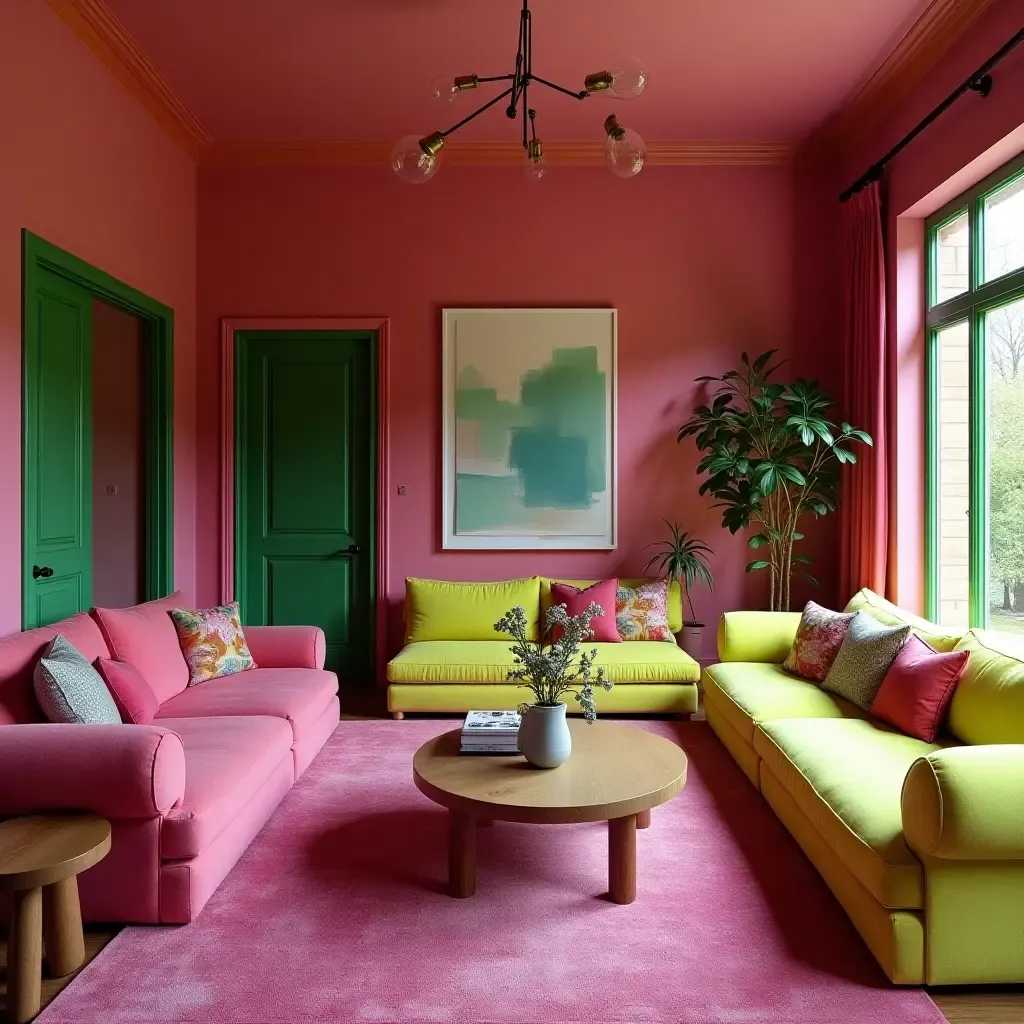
[{"x": 684, "y": 558}]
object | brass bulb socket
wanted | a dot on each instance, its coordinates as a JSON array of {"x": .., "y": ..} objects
[
  {"x": 432, "y": 144},
  {"x": 535, "y": 149},
  {"x": 613, "y": 128},
  {"x": 463, "y": 83},
  {"x": 598, "y": 82}
]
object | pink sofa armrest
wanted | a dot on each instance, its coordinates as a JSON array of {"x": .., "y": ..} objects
[
  {"x": 286, "y": 646},
  {"x": 117, "y": 771}
]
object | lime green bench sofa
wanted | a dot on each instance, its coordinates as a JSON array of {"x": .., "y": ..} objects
[
  {"x": 454, "y": 661},
  {"x": 922, "y": 843}
]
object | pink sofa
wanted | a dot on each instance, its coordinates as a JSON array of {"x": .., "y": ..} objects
[{"x": 186, "y": 795}]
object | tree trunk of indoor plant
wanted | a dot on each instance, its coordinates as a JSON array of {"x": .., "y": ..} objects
[{"x": 544, "y": 737}]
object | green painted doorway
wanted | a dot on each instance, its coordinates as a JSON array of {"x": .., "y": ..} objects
[
  {"x": 306, "y": 485},
  {"x": 57, "y": 486}
]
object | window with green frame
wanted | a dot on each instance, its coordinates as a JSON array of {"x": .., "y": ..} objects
[{"x": 975, "y": 406}]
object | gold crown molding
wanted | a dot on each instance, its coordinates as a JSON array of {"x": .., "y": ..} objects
[
  {"x": 97, "y": 26},
  {"x": 924, "y": 45},
  {"x": 342, "y": 152}
]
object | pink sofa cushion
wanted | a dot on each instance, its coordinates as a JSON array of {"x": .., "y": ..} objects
[
  {"x": 298, "y": 695},
  {"x": 227, "y": 761},
  {"x": 20, "y": 653},
  {"x": 136, "y": 702},
  {"x": 287, "y": 646},
  {"x": 146, "y": 637}
]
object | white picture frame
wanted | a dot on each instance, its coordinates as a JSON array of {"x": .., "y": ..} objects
[{"x": 488, "y": 502}]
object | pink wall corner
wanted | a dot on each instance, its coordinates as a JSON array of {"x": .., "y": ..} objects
[
  {"x": 966, "y": 143},
  {"x": 89, "y": 170},
  {"x": 700, "y": 262}
]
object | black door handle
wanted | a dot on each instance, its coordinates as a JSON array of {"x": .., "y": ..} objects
[
  {"x": 352, "y": 549},
  {"x": 45, "y": 571}
]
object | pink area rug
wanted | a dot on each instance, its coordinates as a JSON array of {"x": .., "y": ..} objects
[{"x": 337, "y": 912}]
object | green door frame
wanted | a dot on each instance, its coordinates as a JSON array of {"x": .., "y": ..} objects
[{"x": 40, "y": 257}]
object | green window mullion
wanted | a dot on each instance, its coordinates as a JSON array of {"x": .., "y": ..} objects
[
  {"x": 978, "y": 453},
  {"x": 931, "y": 472}
]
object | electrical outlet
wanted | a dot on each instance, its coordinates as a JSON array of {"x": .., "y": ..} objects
[
  {"x": 402, "y": 490},
  {"x": 112, "y": 490}
]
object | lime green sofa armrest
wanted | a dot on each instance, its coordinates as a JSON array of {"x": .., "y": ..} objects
[
  {"x": 966, "y": 803},
  {"x": 756, "y": 636}
]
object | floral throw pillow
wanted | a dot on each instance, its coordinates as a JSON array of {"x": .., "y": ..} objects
[
  {"x": 641, "y": 613},
  {"x": 818, "y": 638},
  {"x": 212, "y": 641}
]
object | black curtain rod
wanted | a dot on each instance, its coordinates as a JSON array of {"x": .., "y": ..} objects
[{"x": 980, "y": 82}]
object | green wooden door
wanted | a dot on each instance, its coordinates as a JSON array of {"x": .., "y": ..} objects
[
  {"x": 57, "y": 471},
  {"x": 305, "y": 487}
]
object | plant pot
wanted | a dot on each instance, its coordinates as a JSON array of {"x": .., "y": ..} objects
[
  {"x": 691, "y": 639},
  {"x": 544, "y": 736}
]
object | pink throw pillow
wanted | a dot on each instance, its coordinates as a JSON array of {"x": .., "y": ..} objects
[
  {"x": 133, "y": 696},
  {"x": 918, "y": 687},
  {"x": 577, "y": 601},
  {"x": 145, "y": 636},
  {"x": 818, "y": 638}
]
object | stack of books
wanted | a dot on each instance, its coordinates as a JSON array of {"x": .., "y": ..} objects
[{"x": 491, "y": 732}]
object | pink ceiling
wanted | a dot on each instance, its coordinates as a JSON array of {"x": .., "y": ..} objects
[{"x": 362, "y": 69}]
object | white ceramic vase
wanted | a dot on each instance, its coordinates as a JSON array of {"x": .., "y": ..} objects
[{"x": 544, "y": 737}]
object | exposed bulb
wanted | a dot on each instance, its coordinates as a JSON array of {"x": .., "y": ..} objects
[
  {"x": 416, "y": 160},
  {"x": 624, "y": 152},
  {"x": 629, "y": 78},
  {"x": 448, "y": 88},
  {"x": 535, "y": 166}
]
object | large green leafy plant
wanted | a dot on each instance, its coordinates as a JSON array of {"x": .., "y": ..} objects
[{"x": 771, "y": 457}]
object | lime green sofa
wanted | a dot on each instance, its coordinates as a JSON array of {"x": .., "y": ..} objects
[
  {"x": 453, "y": 660},
  {"x": 922, "y": 843}
]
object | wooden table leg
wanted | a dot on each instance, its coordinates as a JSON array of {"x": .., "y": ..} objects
[
  {"x": 622, "y": 859},
  {"x": 461, "y": 855},
  {"x": 643, "y": 819},
  {"x": 62, "y": 927},
  {"x": 25, "y": 955}
]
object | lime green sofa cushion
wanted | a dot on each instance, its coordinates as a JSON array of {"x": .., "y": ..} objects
[
  {"x": 893, "y": 615},
  {"x": 847, "y": 776},
  {"x": 480, "y": 661},
  {"x": 988, "y": 703},
  {"x": 440, "y": 610},
  {"x": 747, "y": 693}
]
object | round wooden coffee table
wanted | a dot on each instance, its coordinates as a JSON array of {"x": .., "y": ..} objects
[
  {"x": 616, "y": 773},
  {"x": 40, "y": 857}
]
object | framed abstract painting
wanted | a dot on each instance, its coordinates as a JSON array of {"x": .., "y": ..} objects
[{"x": 529, "y": 429}]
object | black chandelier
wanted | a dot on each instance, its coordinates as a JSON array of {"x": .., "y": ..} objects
[{"x": 416, "y": 160}]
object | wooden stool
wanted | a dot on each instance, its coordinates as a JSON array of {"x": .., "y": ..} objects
[{"x": 40, "y": 857}]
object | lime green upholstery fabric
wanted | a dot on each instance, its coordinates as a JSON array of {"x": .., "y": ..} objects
[
  {"x": 893, "y": 615},
  {"x": 489, "y": 661},
  {"x": 847, "y": 776},
  {"x": 439, "y": 610},
  {"x": 988, "y": 703},
  {"x": 749, "y": 693},
  {"x": 675, "y": 597},
  {"x": 756, "y": 636},
  {"x": 967, "y": 803}
]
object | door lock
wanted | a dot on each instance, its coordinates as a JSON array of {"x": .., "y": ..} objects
[{"x": 44, "y": 571}]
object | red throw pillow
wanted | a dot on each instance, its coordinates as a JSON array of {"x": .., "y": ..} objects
[
  {"x": 133, "y": 696},
  {"x": 577, "y": 601},
  {"x": 918, "y": 687}
]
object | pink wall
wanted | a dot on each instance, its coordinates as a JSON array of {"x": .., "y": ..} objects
[
  {"x": 118, "y": 458},
  {"x": 975, "y": 129},
  {"x": 88, "y": 169},
  {"x": 700, "y": 262}
]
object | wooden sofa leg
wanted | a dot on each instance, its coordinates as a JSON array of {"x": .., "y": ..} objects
[{"x": 398, "y": 715}]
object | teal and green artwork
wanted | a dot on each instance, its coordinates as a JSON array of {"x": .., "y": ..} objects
[{"x": 529, "y": 428}]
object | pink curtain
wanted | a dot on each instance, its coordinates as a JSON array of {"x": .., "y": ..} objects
[{"x": 864, "y": 499}]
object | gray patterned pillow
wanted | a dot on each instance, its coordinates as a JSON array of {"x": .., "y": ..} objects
[
  {"x": 868, "y": 650},
  {"x": 70, "y": 690}
]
